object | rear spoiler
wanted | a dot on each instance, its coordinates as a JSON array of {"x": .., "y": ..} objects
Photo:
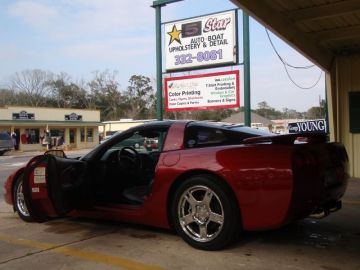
[{"x": 289, "y": 138}]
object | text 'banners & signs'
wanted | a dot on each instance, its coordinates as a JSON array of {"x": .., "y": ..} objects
[{"x": 200, "y": 92}]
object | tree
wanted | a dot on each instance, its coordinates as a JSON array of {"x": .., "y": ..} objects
[
  {"x": 317, "y": 112},
  {"x": 140, "y": 97},
  {"x": 32, "y": 86},
  {"x": 263, "y": 105},
  {"x": 67, "y": 94},
  {"x": 106, "y": 96},
  {"x": 268, "y": 112},
  {"x": 7, "y": 97}
]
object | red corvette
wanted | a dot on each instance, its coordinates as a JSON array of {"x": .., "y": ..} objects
[{"x": 208, "y": 181}]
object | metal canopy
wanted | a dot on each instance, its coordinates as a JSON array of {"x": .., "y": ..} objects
[{"x": 320, "y": 29}]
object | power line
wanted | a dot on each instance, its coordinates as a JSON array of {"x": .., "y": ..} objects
[
  {"x": 282, "y": 59},
  {"x": 299, "y": 86},
  {"x": 286, "y": 65}
]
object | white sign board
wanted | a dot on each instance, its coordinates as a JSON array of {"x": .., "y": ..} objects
[
  {"x": 201, "y": 92},
  {"x": 202, "y": 41},
  {"x": 315, "y": 126}
]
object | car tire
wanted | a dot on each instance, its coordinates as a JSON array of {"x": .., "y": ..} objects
[
  {"x": 19, "y": 202},
  {"x": 205, "y": 213},
  {"x": 2, "y": 153}
]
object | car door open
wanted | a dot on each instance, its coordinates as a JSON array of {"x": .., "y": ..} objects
[{"x": 53, "y": 186}]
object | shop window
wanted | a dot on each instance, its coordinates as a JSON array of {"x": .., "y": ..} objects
[
  {"x": 30, "y": 136},
  {"x": 72, "y": 136},
  {"x": 57, "y": 137},
  {"x": 57, "y": 133},
  {"x": 90, "y": 135},
  {"x": 82, "y": 135}
]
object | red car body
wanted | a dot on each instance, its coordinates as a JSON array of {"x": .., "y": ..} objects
[{"x": 273, "y": 179}]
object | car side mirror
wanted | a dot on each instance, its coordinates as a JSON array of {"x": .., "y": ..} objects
[{"x": 56, "y": 153}]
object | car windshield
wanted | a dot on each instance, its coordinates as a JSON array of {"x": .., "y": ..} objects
[{"x": 143, "y": 140}]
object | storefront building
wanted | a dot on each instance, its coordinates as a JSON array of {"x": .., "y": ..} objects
[
  {"x": 38, "y": 128},
  {"x": 110, "y": 127}
]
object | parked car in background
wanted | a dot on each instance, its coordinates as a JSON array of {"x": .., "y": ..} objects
[
  {"x": 6, "y": 143},
  {"x": 151, "y": 144},
  {"x": 207, "y": 181}
]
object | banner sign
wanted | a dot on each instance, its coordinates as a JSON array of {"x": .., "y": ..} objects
[
  {"x": 201, "y": 42},
  {"x": 73, "y": 117},
  {"x": 23, "y": 115},
  {"x": 315, "y": 126},
  {"x": 201, "y": 92}
]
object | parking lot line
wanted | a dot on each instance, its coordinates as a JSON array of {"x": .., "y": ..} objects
[{"x": 85, "y": 255}]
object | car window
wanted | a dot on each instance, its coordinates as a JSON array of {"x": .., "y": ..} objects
[
  {"x": 202, "y": 136},
  {"x": 136, "y": 141},
  {"x": 145, "y": 141},
  {"x": 206, "y": 136}
]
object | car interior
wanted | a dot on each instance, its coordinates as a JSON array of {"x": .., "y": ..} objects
[{"x": 126, "y": 171}]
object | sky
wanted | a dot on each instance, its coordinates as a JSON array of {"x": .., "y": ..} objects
[{"x": 80, "y": 37}]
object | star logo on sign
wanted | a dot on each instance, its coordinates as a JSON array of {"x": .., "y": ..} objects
[{"x": 174, "y": 35}]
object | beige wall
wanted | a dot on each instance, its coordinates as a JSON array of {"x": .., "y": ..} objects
[
  {"x": 344, "y": 77},
  {"x": 50, "y": 114}
]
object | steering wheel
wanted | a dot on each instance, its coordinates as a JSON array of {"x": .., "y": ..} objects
[{"x": 129, "y": 159}]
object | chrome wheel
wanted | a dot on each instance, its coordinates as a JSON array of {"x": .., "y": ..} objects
[
  {"x": 20, "y": 201},
  {"x": 200, "y": 213}
]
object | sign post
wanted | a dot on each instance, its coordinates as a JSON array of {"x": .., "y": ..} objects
[
  {"x": 246, "y": 45},
  {"x": 159, "y": 100},
  {"x": 201, "y": 42}
]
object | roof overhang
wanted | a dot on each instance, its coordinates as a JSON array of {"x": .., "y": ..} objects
[{"x": 320, "y": 30}]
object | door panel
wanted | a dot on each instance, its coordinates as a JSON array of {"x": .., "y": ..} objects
[{"x": 53, "y": 186}]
